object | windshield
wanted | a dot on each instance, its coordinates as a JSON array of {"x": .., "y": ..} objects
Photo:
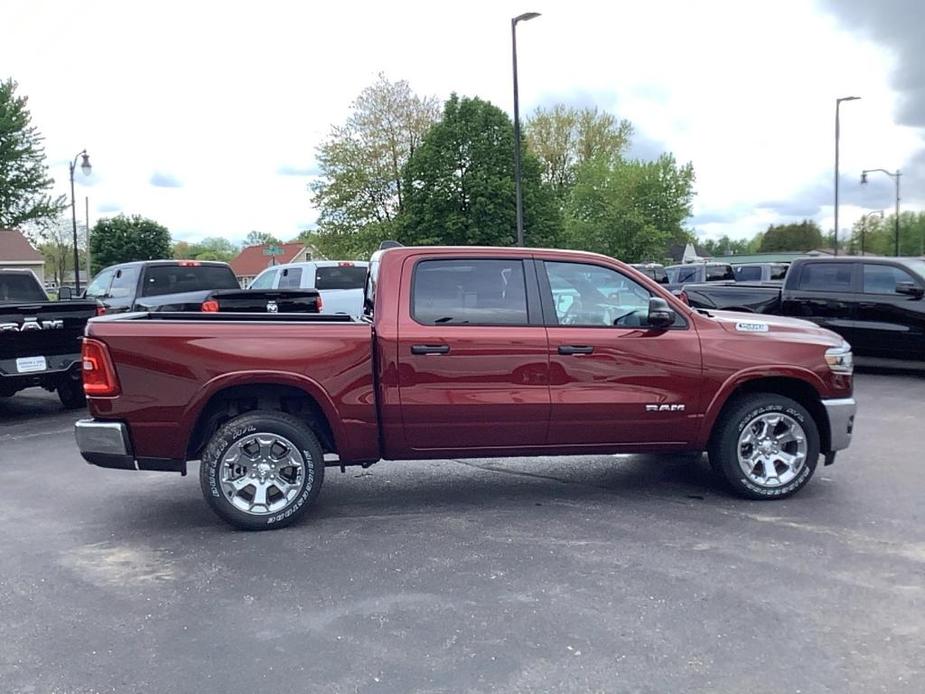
[
  {"x": 20, "y": 287},
  {"x": 177, "y": 279},
  {"x": 340, "y": 277}
]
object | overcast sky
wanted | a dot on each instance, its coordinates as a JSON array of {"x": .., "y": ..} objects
[{"x": 205, "y": 116}]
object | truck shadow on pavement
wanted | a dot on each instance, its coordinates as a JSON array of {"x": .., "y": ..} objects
[{"x": 396, "y": 489}]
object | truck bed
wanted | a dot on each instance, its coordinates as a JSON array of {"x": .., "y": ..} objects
[{"x": 188, "y": 357}]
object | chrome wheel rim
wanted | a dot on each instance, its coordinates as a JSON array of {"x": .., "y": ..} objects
[
  {"x": 262, "y": 473},
  {"x": 772, "y": 449}
]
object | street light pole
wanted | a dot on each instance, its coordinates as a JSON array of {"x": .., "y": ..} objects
[
  {"x": 86, "y": 168},
  {"x": 895, "y": 175},
  {"x": 87, "y": 223},
  {"x": 837, "y": 135},
  {"x": 518, "y": 195}
]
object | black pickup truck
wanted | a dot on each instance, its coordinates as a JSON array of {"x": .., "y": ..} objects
[
  {"x": 190, "y": 285},
  {"x": 876, "y": 304},
  {"x": 40, "y": 339}
]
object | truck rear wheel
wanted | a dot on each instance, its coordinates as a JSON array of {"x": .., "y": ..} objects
[
  {"x": 262, "y": 470},
  {"x": 765, "y": 446},
  {"x": 71, "y": 393}
]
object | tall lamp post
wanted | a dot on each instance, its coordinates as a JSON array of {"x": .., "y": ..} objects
[
  {"x": 837, "y": 133},
  {"x": 527, "y": 16},
  {"x": 86, "y": 168},
  {"x": 895, "y": 176},
  {"x": 864, "y": 226}
]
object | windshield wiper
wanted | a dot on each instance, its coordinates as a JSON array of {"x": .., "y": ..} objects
[{"x": 450, "y": 319}]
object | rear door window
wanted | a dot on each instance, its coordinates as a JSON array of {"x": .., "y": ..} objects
[
  {"x": 715, "y": 273},
  {"x": 290, "y": 278},
  {"x": 177, "y": 279},
  {"x": 340, "y": 277},
  {"x": 469, "y": 292},
  {"x": 748, "y": 273},
  {"x": 779, "y": 272},
  {"x": 826, "y": 277}
]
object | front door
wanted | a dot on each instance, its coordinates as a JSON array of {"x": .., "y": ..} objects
[
  {"x": 890, "y": 324},
  {"x": 613, "y": 381},
  {"x": 825, "y": 293},
  {"x": 473, "y": 363}
]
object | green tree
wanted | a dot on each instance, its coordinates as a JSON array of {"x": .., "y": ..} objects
[
  {"x": 631, "y": 210},
  {"x": 123, "y": 239},
  {"x": 359, "y": 193},
  {"x": 724, "y": 246},
  {"x": 260, "y": 238},
  {"x": 460, "y": 183},
  {"x": 564, "y": 138},
  {"x": 213, "y": 248},
  {"x": 802, "y": 236},
  {"x": 880, "y": 234},
  {"x": 24, "y": 180}
]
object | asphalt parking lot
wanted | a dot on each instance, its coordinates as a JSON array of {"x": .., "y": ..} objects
[{"x": 609, "y": 574}]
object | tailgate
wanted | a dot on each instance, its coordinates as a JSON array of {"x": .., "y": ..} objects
[
  {"x": 41, "y": 330},
  {"x": 267, "y": 300}
]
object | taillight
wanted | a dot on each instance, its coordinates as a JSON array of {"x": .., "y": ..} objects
[
  {"x": 320, "y": 303},
  {"x": 189, "y": 263},
  {"x": 210, "y": 306},
  {"x": 99, "y": 375},
  {"x": 345, "y": 264},
  {"x": 100, "y": 310},
  {"x": 682, "y": 295}
]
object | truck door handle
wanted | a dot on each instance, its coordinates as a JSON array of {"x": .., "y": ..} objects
[
  {"x": 575, "y": 349},
  {"x": 430, "y": 349}
]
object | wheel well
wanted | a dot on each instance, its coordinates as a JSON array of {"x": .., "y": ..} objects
[
  {"x": 792, "y": 388},
  {"x": 236, "y": 400}
]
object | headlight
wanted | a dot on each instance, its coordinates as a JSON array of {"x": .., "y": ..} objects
[{"x": 840, "y": 359}]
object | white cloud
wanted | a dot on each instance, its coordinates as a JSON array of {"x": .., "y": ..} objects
[{"x": 232, "y": 99}]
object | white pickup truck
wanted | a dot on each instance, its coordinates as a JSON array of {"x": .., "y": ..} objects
[{"x": 340, "y": 282}]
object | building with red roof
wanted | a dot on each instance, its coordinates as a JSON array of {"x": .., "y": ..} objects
[
  {"x": 16, "y": 253},
  {"x": 253, "y": 260}
]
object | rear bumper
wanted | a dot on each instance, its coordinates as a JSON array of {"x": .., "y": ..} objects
[
  {"x": 58, "y": 367},
  {"x": 105, "y": 444},
  {"x": 108, "y": 444},
  {"x": 841, "y": 422}
]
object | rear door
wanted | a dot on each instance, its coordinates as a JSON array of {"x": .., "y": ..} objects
[
  {"x": 825, "y": 293},
  {"x": 889, "y": 324},
  {"x": 613, "y": 381},
  {"x": 473, "y": 363}
]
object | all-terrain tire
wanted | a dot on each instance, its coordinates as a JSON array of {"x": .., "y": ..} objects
[
  {"x": 258, "y": 441},
  {"x": 756, "y": 410}
]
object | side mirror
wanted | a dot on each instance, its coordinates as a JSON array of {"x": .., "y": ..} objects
[
  {"x": 65, "y": 294},
  {"x": 909, "y": 289},
  {"x": 661, "y": 315}
]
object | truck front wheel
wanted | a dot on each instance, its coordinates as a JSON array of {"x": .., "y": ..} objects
[
  {"x": 262, "y": 470},
  {"x": 765, "y": 446}
]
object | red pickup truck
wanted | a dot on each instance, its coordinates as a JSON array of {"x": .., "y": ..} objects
[{"x": 463, "y": 352}]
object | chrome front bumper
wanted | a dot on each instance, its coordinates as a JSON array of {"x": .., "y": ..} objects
[
  {"x": 841, "y": 422},
  {"x": 106, "y": 444}
]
